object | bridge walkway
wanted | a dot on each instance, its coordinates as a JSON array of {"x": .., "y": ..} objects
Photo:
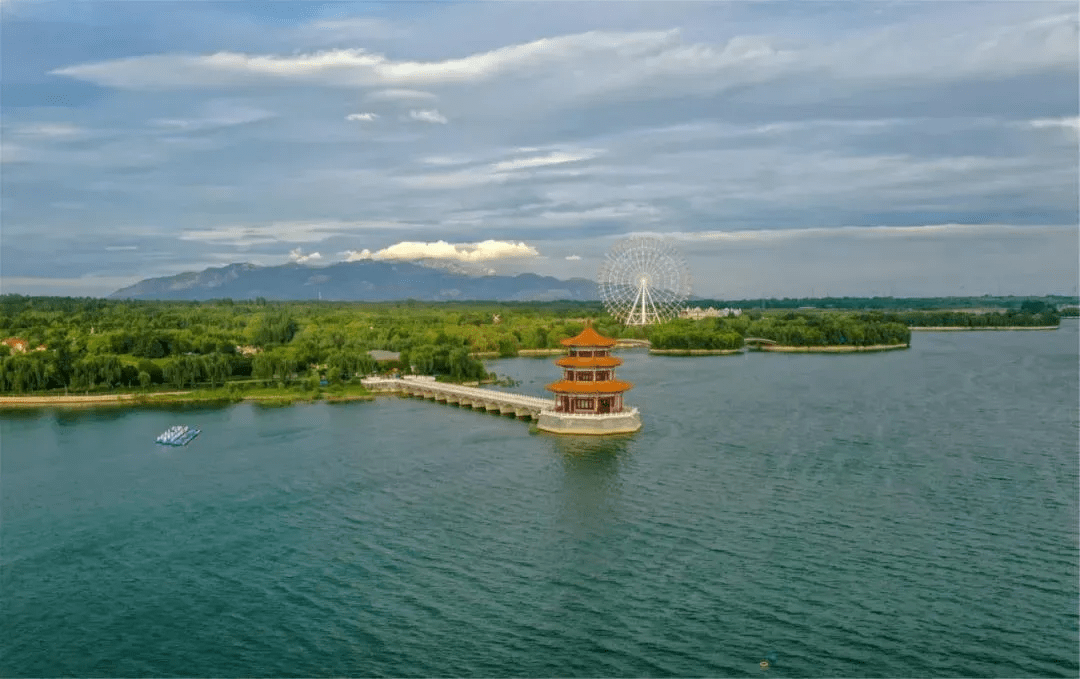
[{"x": 505, "y": 403}]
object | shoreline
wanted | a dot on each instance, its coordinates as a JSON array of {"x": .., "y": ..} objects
[
  {"x": 836, "y": 349},
  {"x": 696, "y": 352},
  {"x": 168, "y": 398},
  {"x": 89, "y": 399},
  {"x": 958, "y": 328}
]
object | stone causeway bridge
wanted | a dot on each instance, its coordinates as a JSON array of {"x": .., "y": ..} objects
[{"x": 505, "y": 403}]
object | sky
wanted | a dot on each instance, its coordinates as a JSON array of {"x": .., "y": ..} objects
[{"x": 786, "y": 149}]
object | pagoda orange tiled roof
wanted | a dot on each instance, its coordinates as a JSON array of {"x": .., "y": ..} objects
[
  {"x": 588, "y": 338},
  {"x": 583, "y": 362},
  {"x": 604, "y": 387}
]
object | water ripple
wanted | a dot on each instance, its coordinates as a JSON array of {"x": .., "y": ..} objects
[{"x": 908, "y": 514}]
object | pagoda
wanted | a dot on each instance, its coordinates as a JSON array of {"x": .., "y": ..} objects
[{"x": 589, "y": 399}]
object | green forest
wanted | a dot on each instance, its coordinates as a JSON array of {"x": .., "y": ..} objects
[
  {"x": 1007, "y": 302},
  {"x": 786, "y": 328},
  {"x": 88, "y": 345},
  {"x": 1030, "y": 314}
]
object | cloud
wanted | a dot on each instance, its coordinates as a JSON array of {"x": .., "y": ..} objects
[
  {"x": 13, "y": 153},
  {"x": 246, "y": 235},
  {"x": 400, "y": 95},
  {"x": 49, "y": 130},
  {"x": 920, "y": 114},
  {"x": 454, "y": 180},
  {"x": 297, "y": 255},
  {"x": 484, "y": 251},
  {"x": 350, "y": 29},
  {"x": 1071, "y": 126},
  {"x": 446, "y": 160},
  {"x": 357, "y": 67},
  {"x": 491, "y": 173},
  {"x": 556, "y": 158},
  {"x": 217, "y": 114},
  {"x": 623, "y": 212},
  {"x": 428, "y": 116},
  {"x": 119, "y": 248},
  {"x": 847, "y": 232},
  {"x": 573, "y": 258},
  {"x": 567, "y": 69}
]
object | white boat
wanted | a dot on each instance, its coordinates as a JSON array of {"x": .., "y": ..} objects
[{"x": 179, "y": 435}]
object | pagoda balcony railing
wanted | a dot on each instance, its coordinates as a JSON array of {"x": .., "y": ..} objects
[{"x": 624, "y": 411}]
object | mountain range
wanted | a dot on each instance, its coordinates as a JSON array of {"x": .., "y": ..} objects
[{"x": 369, "y": 281}]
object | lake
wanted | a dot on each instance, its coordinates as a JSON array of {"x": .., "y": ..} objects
[{"x": 899, "y": 514}]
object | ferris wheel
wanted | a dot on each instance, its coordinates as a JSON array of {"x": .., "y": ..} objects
[{"x": 644, "y": 280}]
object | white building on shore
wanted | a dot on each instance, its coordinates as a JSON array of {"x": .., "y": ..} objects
[{"x": 697, "y": 313}]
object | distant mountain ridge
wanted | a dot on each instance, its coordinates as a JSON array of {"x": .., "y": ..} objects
[{"x": 368, "y": 281}]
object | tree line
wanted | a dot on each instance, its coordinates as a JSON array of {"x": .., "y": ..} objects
[
  {"x": 1004, "y": 302},
  {"x": 102, "y": 345},
  {"x": 1042, "y": 317},
  {"x": 790, "y": 329}
]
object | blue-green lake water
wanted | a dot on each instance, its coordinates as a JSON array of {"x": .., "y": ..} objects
[{"x": 902, "y": 514}]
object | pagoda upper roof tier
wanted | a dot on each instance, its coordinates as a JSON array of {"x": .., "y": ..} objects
[
  {"x": 588, "y": 338},
  {"x": 583, "y": 362},
  {"x": 601, "y": 387}
]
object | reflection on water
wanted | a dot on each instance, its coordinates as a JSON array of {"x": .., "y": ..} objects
[
  {"x": 591, "y": 488},
  {"x": 598, "y": 448},
  {"x": 17, "y": 414},
  {"x": 72, "y": 416}
]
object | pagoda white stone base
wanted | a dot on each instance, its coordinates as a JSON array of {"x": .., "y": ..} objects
[{"x": 610, "y": 423}]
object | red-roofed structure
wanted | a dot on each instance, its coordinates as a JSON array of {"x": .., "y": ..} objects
[
  {"x": 588, "y": 386},
  {"x": 17, "y": 346}
]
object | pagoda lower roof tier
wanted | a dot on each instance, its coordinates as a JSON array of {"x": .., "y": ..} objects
[
  {"x": 600, "y": 387},
  {"x": 583, "y": 362}
]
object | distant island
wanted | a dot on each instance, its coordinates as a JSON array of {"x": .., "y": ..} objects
[{"x": 82, "y": 350}]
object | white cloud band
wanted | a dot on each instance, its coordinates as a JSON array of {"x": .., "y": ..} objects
[
  {"x": 463, "y": 252},
  {"x": 297, "y": 255}
]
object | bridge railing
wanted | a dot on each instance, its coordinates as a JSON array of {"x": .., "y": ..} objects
[
  {"x": 456, "y": 389},
  {"x": 490, "y": 395}
]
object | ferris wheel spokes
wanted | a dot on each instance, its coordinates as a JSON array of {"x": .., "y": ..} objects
[{"x": 643, "y": 281}]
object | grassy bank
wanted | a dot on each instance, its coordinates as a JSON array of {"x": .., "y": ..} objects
[
  {"x": 950, "y": 328},
  {"x": 269, "y": 396},
  {"x": 696, "y": 352},
  {"x": 838, "y": 349}
]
